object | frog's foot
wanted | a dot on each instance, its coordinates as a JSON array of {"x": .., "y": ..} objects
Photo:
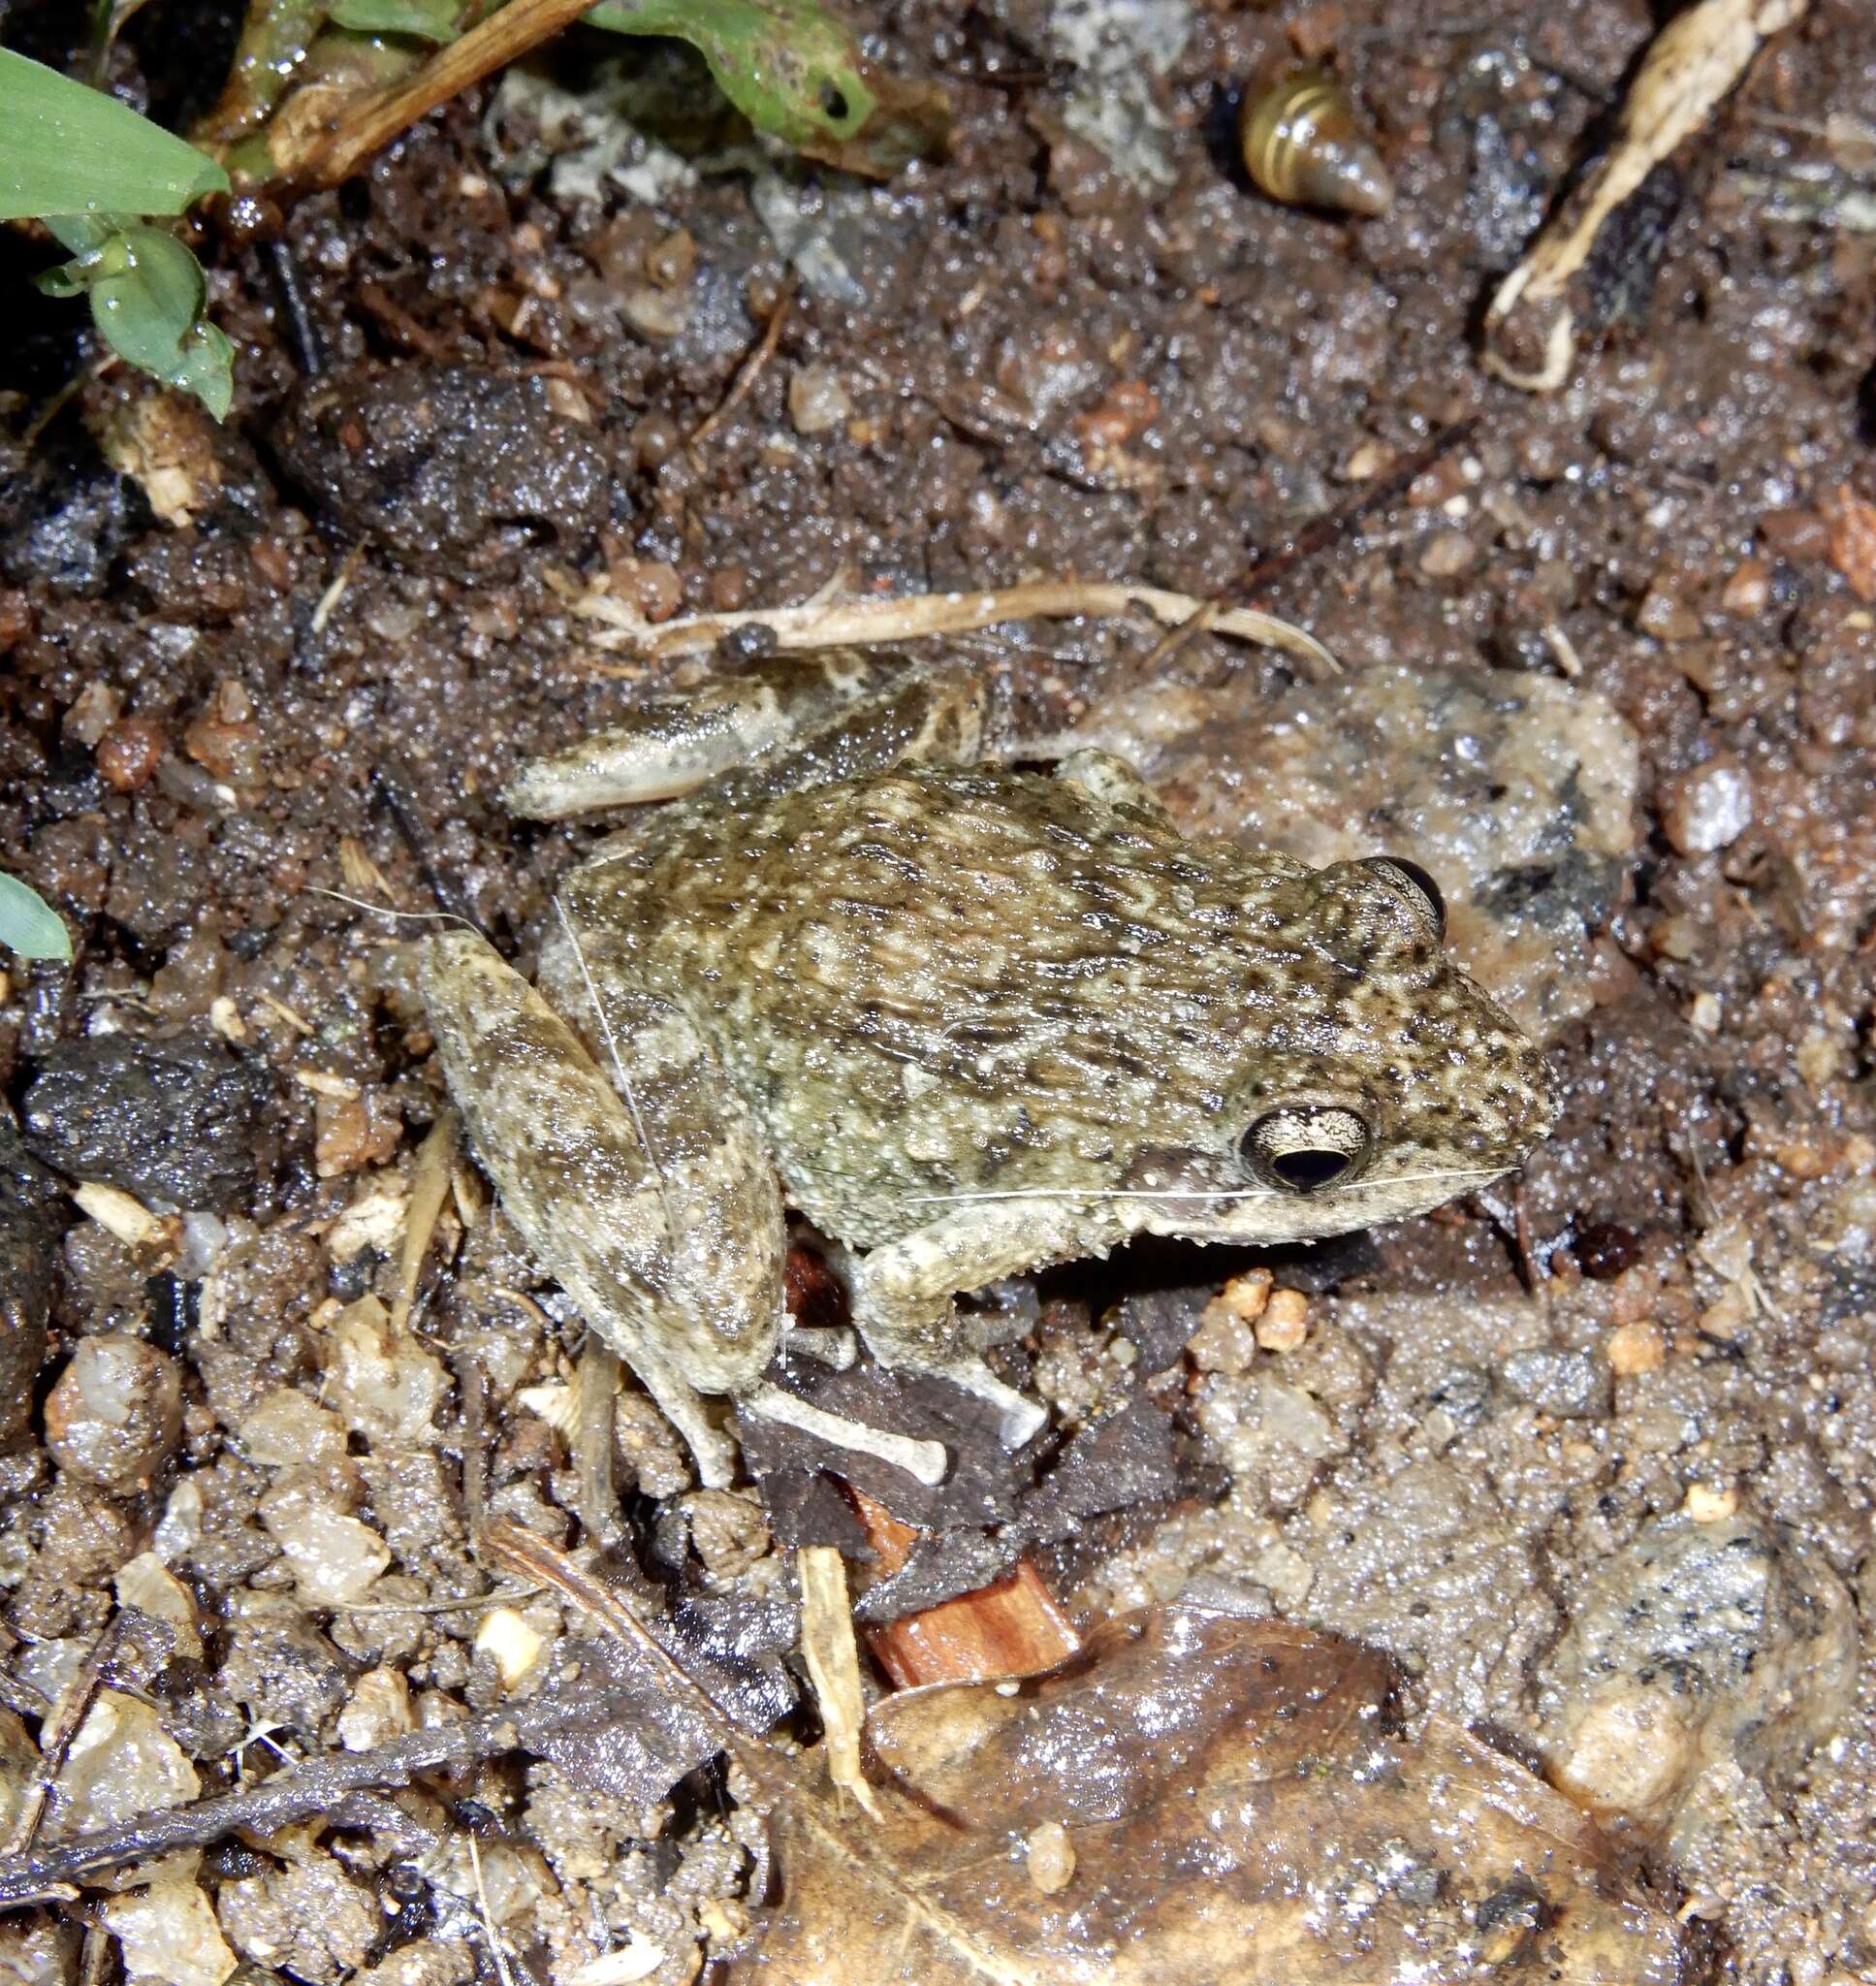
[
  {"x": 1023, "y": 1418},
  {"x": 923, "y": 1461}
]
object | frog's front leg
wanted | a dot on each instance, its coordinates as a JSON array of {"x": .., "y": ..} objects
[
  {"x": 778, "y": 725},
  {"x": 635, "y": 1174},
  {"x": 903, "y": 1292}
]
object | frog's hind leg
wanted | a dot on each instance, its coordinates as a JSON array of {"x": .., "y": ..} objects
[
  {"x": 784, "y": 723},
  {"x": 724, "y": 1245},
  {"x": 666, "y": 1231}
]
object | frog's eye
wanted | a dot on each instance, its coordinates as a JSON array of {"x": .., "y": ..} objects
[
  {"x": 1422, "y": 885},
  {"x": 1304, "y": 1147}
]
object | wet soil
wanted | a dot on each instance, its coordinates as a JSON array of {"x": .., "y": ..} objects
[{"x": 260, "y": 678}]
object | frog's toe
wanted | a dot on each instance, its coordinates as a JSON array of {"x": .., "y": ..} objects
[
  {"x": 925, "y": 1461},
  {"x": 1023, "y": 1418}
]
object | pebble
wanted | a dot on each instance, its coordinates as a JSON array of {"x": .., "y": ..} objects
[
  {"x": 1284, "y": 1321},
  {"x": 1448, "y": 554},
  {"x": 379, "y": 1710},
  {"x": 168, "y": 1936},
  {"x": 817, "y": 402},
  {"x": 1708, "y": 807},
  {"x": 335, "y": 1557},
  {"x": 120, "y": 1765},
  {"x": 1636, "y": 1348},
  {"x": 384, "y": 1382},
  {"x": 1573, "y": 1386},
  {"x": 128, "y": 755},
  {"x": 1747, "y": 592},
  {"x": 1050, "y": 1857},
  {"x": 116, "y": 1414},
  {"x": 1700, "y": 1651}
]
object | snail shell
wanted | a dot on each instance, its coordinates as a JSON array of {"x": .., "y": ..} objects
[{"x": 1303, "y": 145}]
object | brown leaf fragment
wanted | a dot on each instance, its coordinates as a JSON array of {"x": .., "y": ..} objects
[
  {"x": 1853, "y": 539},
  {"x": 1221, "y": 1801},
  {"x": 1009, "y": 1626}
]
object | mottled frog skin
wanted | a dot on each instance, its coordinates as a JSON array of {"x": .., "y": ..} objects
[{"x": 975, "y": 1019}]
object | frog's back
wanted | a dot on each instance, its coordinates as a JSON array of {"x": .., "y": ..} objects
[{"x": 941, "y": 979}]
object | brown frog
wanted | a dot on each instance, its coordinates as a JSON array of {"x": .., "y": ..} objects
[{"x": 968, "y": 1020}]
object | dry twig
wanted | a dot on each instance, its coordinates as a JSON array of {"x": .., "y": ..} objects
[
  {"x": 752, "y": 366},
  {"x": 1693, "y": 62},
  {"x": 915, "y": 617}
]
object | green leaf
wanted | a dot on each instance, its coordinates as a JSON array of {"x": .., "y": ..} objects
[
  {"x": 792, "y": 68},
  {"x": 29, "y": 924},
  {"x": 66, "y": 149},
  {"x": 430, "y": 20},
  {"x": 148, "y": 297}
]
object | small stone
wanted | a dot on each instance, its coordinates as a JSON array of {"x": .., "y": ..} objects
[
  {"x": 1708, "y": 807},
  {"x": 1666, "y": 616},
  {"x": 1448, "y": 554},
  {"x": 1369, "y": 460},
  {"x": 728, "y": 1531},
  {"x": 378, "y": 1711},
  {"x": 1284, "y": 1321},
  {"x": 817, "y": 399},
  {"x": 1705, "y": 1016},
  {"x": 1747, "y": 592},
  {"x": 1223, "y": 1342},
  {"x": 388, "y": 1387},
  {"x": 1050, "y": 1857},
  {"x": 168, "y": 1936},
  {"x": 1851, "y": 522},
  {"x": 116, "y": 1414},
  {"x": 120, "y": 1765},
  {"x": 335, "y": 1557},
  {"x": 1636, "y": 1348},
  {"x": 1707, "y": 1504},
  {"x": 147, "y": 1584},
  {"x": 353, "y": 1132},
  {"x": 129, "y": 754},
  {"x": 1573, "y": 1386},
  {"x": 508, "y": 1638}
]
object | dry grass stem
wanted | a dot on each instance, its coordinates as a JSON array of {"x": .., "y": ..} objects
[{"x": 916, "y": 617}]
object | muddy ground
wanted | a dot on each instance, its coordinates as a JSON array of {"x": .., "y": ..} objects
[{"x": 307, "y": 674}]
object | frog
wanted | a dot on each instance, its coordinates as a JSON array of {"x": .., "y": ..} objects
[{"x": 967, "y": 1003}]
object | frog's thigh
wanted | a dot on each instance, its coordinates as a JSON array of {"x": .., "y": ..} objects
[
  {"x": 571, "y": 1165},
  {"x": 726, "y": 1245},
  {"x": 902, "y": 1293},
  {"x": 1111, "y": 779},
  {"x": 673, "y": 744}
]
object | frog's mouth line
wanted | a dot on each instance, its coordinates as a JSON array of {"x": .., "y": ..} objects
[{"x": 1458, "y": 1177}]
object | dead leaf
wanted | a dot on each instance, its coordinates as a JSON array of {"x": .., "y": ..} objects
[
  {"x": 1238, "y": 1809},
  {"x": 1853, "y": 539}
]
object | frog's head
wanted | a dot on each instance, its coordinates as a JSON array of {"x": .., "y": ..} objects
[{"x": 1386, "y": 1083}]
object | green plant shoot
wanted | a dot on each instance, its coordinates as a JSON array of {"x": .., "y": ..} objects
[{"x": 28, "y": 923}]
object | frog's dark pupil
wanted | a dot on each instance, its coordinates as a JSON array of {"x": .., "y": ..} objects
[
  {"x": 1306, "y": 1170},
  {"x": 1303, "y": 1147}
]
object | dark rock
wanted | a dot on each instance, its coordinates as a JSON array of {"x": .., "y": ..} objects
[
  {"x": 445, "y": 465},
  {"x": 175, "y": 1120},
  {"x": 1121, "y": 1461},
  {"x": 30, "y": 1223}
]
